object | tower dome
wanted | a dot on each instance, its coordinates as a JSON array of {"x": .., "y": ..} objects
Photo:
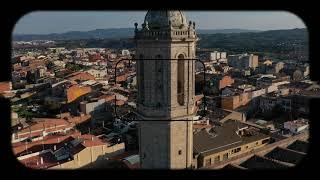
[{"x": 162, "y": 19}]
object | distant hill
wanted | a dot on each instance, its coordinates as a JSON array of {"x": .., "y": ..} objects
[
  {"x": 254, "y": 41},
  {"x": 224, "y": 31},
  {"x": 73, "y": 35},
  {"x": 276, "y": 44},
  {"x": 284, "y": 44},
  {"x": 114, "y": 33}
]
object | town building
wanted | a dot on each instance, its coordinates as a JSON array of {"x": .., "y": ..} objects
[
  {"x": 243, "y": 61},
  {"x": 42, "y": 127},
  {"x": 296, "y": 126},
  {"x": 281, "y": 154},
  {"x": 66, "y": 151},
  {"x": 230, "y": 139}
]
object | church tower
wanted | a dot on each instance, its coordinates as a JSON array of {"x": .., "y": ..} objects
[{"x": 166, "y": 89}]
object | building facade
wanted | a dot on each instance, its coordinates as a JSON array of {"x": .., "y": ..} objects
[{"x": 243, "y": 61}]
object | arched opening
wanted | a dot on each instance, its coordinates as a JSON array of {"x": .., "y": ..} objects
[
  {"x": 159, "y": 80},
  {"x": 180, "y": 80},
  {"x": 141, "y": 76}
]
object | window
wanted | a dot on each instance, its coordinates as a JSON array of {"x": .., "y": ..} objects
[
  {"x": 265, "y": 141},
  {"x": 180, "y": 81},
  {"x": 208, "y": 162},
  {"x": 225, "y": 156},
  {"x": 236, "y": 150},
  {"x": 257, "y": 143},
  {"x": 217, "y": 159},
  {"x": 159, "y": 79},
  {"x": 180, "y": 152},
  {"x": 247, "y": 147}
]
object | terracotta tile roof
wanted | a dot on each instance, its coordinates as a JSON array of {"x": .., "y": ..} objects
[
  {"x": 44, "y": 124},
  {"x": 4, "y": 86},
  {"x": 122, "y": 78},
  {"x": 50, "y": 125},
  {"x": 91, "y": 140},
  {"x": 107, "y": 97},
  {"x": 120, "y": 102},
  {"x": 48, "y": 141},
  {"x": 34, "y": 162},
  {"x": 76, "y": 91},
  {"x": 80, "y": 76}
]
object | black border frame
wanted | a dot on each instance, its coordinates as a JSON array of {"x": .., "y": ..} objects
[{"x": 17, "y": 9}]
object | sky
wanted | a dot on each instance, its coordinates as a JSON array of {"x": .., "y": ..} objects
[{"x": 45, "y": 22}]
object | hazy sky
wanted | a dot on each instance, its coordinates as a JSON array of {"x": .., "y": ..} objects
[{"x": 44, "y": 22}]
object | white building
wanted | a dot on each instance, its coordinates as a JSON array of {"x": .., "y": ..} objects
[
  {"x": 125, "y": 52},
  {"x": 93, "y": 106},
  {"x": 223, "y": 55},
  {"x": 296, "y": 126},
  {"x": 215, "y": 55},
  {"x": 98, "y": 73},
  {"x": 243, "y": 61}
]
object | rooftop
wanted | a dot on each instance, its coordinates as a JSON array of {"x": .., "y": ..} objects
[
  {"x": 47, "y": 142},
  {"x": 34, "y": 162},
  {"x": 257, "y": 162},
  {"x": 285, "y": 155},
  {"x": 297, "y": 123},
  {"x": 217, "y": 114},
  {"x": 91, "y": 140},
  {"x": 300, "y": 146},
  {"x": 224, "y": 137},
  {"x": 51, "y": 124}
]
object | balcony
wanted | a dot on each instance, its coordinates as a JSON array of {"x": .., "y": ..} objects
[{"x": 165, "y": 34}]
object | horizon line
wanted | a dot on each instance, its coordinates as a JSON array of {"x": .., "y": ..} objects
[{"x": 133, "y": 28}]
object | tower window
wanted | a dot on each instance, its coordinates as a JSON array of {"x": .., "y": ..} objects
[
  {"x": 180, "y": 81},
  {"x": 159, "y": 77},
  {"x": 180, "y": 152}
]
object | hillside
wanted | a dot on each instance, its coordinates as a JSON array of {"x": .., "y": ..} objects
[
  {"x": 106, "y": 34},
  {"x": 276, "y": 44},
  {"x": 285, "y": 44}
]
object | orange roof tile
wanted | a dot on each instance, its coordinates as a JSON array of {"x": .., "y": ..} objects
[{"x": 91, "y": 140}]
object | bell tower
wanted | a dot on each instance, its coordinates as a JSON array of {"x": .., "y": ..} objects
[{"x": 165, "y": 47}]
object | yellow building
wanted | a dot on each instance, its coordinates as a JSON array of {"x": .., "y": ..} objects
[{"x": 222, "y": 142}]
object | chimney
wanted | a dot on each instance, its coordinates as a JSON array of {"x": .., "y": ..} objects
[
  {"x": 41, "y": 160},
  {"x": 91, "y": 138}
]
